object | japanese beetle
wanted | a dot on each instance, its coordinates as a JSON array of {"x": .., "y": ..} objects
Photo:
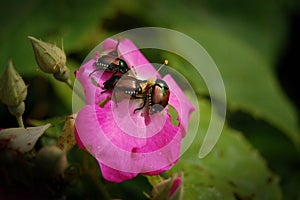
[
  {"x": 157, "y": 97},
  {"x": 111, "y": 63},
  {"x": 126, "y": 85},
  {"x": 155, "y": 93},
  {"x": 110, "y": 83}
]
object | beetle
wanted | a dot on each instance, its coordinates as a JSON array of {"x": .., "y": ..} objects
[
  {"x": 126, "y": 85},
  {"x": 157, "y": 97},
  {"x": 155, "y": 94},
  {"x": 111, "y": 62}
]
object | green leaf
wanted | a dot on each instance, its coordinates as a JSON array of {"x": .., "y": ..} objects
[
  {"x": 267, "y": 139},
  {"x": 250, "y": 83},
  {"x": 63, "y": 92},
  {"x": 154, "y": 180},
  {"x": 244, "y": 48},
  {"x": 232, "y": 170}
]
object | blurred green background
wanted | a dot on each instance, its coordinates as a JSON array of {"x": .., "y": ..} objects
[{"x": 254, "y": 43}]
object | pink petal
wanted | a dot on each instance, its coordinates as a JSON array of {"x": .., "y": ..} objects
[
  {"x": 177, "y": 182},
  {"x": 109, "y": 44},
  {"x": 179, "y": 101},
  {"x": 136, "y": 124},
  {"x": 152, "y": 173},
  {"x": 134, "y": 58},
  {"x": 113, "y": 175},
  {"x": 103, "y": 138},
  {"x": 77, "y": 137}
]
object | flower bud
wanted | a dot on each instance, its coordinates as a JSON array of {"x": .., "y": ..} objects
[
  {"x": 50, "y": 162},
  {"x": 171, "y": 188},
  {"x": 63, "y": 74},
  {"x": 49, "y": 57},
  {"x": 13, "y": 90},
  {"x": 17, "y": 110}
]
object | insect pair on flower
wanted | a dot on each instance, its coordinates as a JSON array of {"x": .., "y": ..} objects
[
  {"x": 124, "y": 143},
  {"x": 155, "y": 94}
]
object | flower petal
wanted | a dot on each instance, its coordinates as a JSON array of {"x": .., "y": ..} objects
[
  {"x": 134, "y": 58},
  {"x": 176, "y": 185},
  {"x": 109, "y": 44},
  {"x": 113, "y": 175},
  {"x": 100, "y": 134},
  {"x": 179, "y": 101},
  {"x": 152, "y": 173}
]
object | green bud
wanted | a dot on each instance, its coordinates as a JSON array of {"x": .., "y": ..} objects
[
  {"x": 49, "y": 57},
  {"x": 17, "y": 110},
  {"x": 13, "y": 90},
  {"x": 63, "y": 74},
  {"x": 171, "y": 188}
]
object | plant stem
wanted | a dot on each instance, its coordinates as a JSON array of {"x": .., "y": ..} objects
[
  {"x": 75, "y": 89},
  {"x": 20, "y": 121}
]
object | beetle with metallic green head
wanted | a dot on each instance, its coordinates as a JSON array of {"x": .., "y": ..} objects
[{"x": 111, "y": 62}]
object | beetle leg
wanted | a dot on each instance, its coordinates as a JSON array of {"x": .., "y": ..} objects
[
  {"x": 95, "y": 70},
  {"x": 94, "y": 82},
  {"x": 157, "y": 85},
  {"x": 133, "y": 70},
  {"x": 103, "y": 91},
  {"x": 115, "y": 99},
  {"x": 118, "y": 43},
  {"x": 140, "y": 108},
  {"x": 114, "y": 73}
]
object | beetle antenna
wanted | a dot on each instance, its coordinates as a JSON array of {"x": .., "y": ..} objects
[
  {"x": 133, "y": 70},
  {"x": 165, "y": 63},
  {"x": 116, "y": 52},
  {"x": 118, "y": 43},
  {"x": 118, "y": 39},
  {"x": 151, "y": 80}
]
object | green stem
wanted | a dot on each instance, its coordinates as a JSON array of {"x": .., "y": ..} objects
[
  {"x": 75, "y": 89},
  {"x": 20, "y": 121},
  {"x": 18, "y": 111},
  {"x": 69, "y": 83}
]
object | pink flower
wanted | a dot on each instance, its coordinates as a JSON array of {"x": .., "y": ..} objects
[{"x": 126, "y": 143}]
